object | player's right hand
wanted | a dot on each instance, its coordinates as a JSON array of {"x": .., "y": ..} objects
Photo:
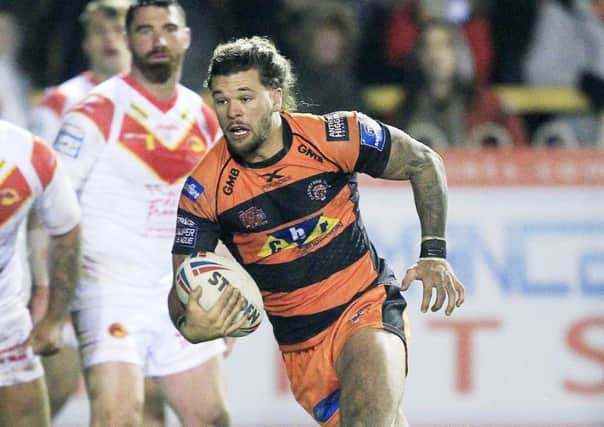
[
  {"x": 224, "y": 318},
  {"x": 46, "y": 337}
]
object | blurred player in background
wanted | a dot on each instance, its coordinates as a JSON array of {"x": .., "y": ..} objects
[
  {"x": 105, "y": 47},
  {"x": 31, "y": 177},
  {"x": 335, "y": 306},
  {"x": 128, "y": 147}
]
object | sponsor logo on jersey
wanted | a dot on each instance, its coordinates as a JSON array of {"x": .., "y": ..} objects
[
  {"x": 117, "y": 330},
  {"x": 336, "y": 127},
  {"x": 274, "y": 179},
  {"x": 317, "y": 190},
  {"x": 252, "y": 217},
  {"x": 309, "y": 152},
  {"x": 372, "y": 134},
  {"x": 192, "y": 189},
  {"x": 299, "y": 235},
  {"x": 360, "y": 312},
  {"x": 274, "y": 175},
  {"x": 230, "y": 184},
  {"x": 186, "y": 232},
  {"x": 69, "y": 140}
]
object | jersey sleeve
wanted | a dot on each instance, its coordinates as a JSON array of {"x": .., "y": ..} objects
[
  {"x": 45, "y": 118},
  {"x": 357, "y": 142},
  {"x": 57, "y": 205},
  {"x": 197, "y": 227},
  {"x": 82, "y": 137}
]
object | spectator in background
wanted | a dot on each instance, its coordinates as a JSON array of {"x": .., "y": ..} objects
[
  {"x": 14, "y": 88},
  {"x": 325, "y": 55},
  {"x": 408, "y": 16},
  {"x": 568, "y": 50},
  {"x": 441, "y": 109}
]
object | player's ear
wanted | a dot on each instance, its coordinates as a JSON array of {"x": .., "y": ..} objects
[
  {"x": 186, "y": 37},
  {"x": 277, "y": 97}
]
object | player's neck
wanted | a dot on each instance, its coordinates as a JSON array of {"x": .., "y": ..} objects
[
  {"x": 273, "y": 144},
  {"x": 161, "y": 91}
]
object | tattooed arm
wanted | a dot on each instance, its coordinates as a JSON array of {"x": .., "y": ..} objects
[
  {"x": 412, "y": 160},
  {"x": 64, "y": 263}
]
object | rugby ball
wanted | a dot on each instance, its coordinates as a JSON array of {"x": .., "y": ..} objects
[{"x": 215, "y": 274}]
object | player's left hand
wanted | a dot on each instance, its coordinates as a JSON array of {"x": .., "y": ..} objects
[
  {"x": 46, "y": 337},
  {"x": 436, "y": 274}
]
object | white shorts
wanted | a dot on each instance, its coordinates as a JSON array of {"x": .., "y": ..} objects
[
  {"x": 141, "y": 333},
  {"x": 18, "y": 363}
]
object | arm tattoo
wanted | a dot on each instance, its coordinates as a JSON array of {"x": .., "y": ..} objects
[
  {"x": 64, "y": 272},
  {"x": 412, "y": 160}
]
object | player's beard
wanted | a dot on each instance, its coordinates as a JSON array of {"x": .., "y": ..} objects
[
  {"x": 157, "y": 72},
  {"x": 265, "y": 127}
]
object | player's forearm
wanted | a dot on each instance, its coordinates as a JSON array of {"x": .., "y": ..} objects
[
  {"x": 38, "y": 241},
  {"x": 175, "y": 307},
  {"x": 412, "y": 160},
  {"x": 64, "y": 272},
  {"x": 430, "y": 192}
]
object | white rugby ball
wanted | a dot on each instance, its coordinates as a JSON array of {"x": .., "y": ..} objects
[{"x": 215, "y": 274}]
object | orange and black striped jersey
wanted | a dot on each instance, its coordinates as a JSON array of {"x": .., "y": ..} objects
[{"x": 293, "y": 220}]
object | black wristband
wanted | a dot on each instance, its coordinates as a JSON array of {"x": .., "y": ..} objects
[{"x": 433, "y": 248}]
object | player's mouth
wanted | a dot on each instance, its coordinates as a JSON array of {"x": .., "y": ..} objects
[
  {"x": 159, "y": 56},
  {"x": 238, "y": 131},
  {"x": 109, "y": 51}
]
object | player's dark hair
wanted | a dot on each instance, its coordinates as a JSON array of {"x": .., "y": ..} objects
[
  {"x": 257, "y": 53},
  {"x": 157, "y": 3}
]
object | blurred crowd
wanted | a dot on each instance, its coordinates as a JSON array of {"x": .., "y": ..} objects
[{"x": 446, "y": 56}]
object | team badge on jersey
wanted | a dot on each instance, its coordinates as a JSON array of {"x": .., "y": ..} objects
[
  {"x": 117, "y": 330},
  {"x": 192, "y": 189},
  {"x": 252, "y": 217},
  {"x": 336, "y": 127},
  {"x": 69, "y": 140},
  {"x": 317, "y": 190},
  {"x": 372, "y": 134}
]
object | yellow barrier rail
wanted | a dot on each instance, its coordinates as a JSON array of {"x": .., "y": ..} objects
[{"x": 517, "y": 99}]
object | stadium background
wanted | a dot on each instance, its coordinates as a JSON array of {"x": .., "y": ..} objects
[{"x": 526, "y": 224}]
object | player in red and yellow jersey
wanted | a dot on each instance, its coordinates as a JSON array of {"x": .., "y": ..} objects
[
  {"x": 128, "y": 147},
  {"x": 31, "y": 178},
  {"x": 280, "y": 191}
]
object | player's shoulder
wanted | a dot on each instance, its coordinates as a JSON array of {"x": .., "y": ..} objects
[
  {"x": 98, "y": 106},
  {"x": 330, "y": 127},
  {"x": 209, "y": 167},
  {"x": 188, "y": 95},
  {"x": 59, "y": 98},
  {"x": 15, "y": 136},
  {"x": 27, "y": 150}
]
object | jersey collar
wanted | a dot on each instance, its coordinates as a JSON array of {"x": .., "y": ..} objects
[{"x": 163, "y": 106}]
